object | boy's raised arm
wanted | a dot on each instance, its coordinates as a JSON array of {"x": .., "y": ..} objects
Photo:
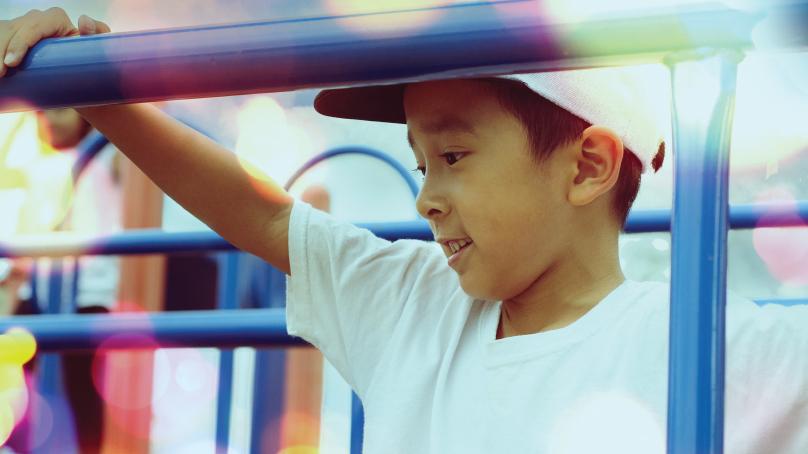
[{"x": 206, "y": 179}]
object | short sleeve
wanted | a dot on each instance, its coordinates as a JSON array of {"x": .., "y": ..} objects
[
  {"x": 348, "y": 289},
  {"x": 767, "y": 375}
]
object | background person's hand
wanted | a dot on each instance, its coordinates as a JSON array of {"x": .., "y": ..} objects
[
  {"x": 14, "y": 275},
  {"x": 18, "y": 35}
]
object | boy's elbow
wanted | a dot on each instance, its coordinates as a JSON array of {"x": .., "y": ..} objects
[{"x": 272, "y": 243}]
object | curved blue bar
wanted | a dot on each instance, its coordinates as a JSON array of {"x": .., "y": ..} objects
[
  {"x": 703, "y": 102},
  {"x": 87, "y": 150},
  {"x": 220, "y": 328},
  {"x": 221, "y": 60},
  {"x": 384, "y": 157},
  {"x": 153, "y": 241}
]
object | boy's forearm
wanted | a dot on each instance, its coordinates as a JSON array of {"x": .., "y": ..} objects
[{"x": 206, "y": 179}]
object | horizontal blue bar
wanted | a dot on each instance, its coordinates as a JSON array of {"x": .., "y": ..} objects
[
  {"x": 215, "y": 328},
  {"x": 740, "y": 217},
  {"x": 507, "y": 36},
  {"x": 220, "y": 328},
  {"x": 149, "y": 241},
  {"x": 783, "y": 301}
]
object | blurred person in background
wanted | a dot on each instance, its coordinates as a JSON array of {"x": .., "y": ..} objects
[{"x": 41, "y": 151}]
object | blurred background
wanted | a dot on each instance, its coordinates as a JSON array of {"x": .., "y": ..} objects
[{"x": 279, "y": 132}]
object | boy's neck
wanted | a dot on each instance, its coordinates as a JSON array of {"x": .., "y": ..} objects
[{"x": 563, "y": 294}]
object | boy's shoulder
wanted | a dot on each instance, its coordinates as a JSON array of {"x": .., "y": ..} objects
[{"x": 746, "y": 320}]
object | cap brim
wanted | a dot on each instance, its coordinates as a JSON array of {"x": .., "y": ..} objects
[{"x": 374, "y": 103}]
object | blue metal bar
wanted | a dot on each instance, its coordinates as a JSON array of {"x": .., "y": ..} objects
[
  {"x": 225, "y": 328},
  {"x": 152, "y": 241},
  {"x": 384, "y": 157},
  {"x": 48, "y": 375},
  {"x": 357, "y": 424},
  {"x": 762, "y": 215},
  {"x": 224, "y": 400},
  {"x": 703, "y": 99},
  {"x": 769, "y": 215},
  {"x": 783, "y": 301},
  {"x": 221, "y": 60},
  {"x": 145, "y": 241},
  {"x": 245, "y": 327},
  {"x": 227, "y": 299},
  {"x": 87, "y": 150},
  {"x": 270, "y": 366}
]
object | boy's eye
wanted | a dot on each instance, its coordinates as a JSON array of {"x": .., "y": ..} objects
[{"x": 452, "y": 157}]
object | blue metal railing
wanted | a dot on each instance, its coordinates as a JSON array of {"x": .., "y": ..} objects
[
  {"x": 254, "y": 327},
  {"x": 508, "y": 36},
  {"x": 209, "y": 328},
  {"x": 699, "y": 270},
  {"x": 216, "y": 328},
  {"x": 155, "y": 241}
]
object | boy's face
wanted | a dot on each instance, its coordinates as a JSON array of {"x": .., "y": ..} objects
[{"x": 482, "y": 185}]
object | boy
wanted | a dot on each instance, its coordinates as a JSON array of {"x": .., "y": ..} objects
[{"x": 519, "y": 333}]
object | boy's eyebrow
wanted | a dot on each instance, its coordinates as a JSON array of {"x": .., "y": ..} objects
[{"x": 443, "y": 124}]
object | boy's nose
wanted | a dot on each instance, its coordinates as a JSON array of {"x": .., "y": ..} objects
[{"x": 431, "y": 205}]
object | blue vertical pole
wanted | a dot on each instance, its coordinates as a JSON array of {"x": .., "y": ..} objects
[
  {"x": 60, "y": 435},
  {"x": 357, "y": 424},
  {"x": 269, "y": 383},
  {"x": 48, "y": 376},
  {"x": 703, "y": 85},
  {"x": 227, "y": 299}
]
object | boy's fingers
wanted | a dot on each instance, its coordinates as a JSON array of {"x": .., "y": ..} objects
[
  {"x": 90, "y": 26},
  {"x": 5, "y": 36},
  {"x": 32, "y": 28}
]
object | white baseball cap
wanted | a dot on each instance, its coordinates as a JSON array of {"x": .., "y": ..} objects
[{"x": 633, "y": 101}]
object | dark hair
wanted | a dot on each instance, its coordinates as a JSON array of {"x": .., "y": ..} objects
[{"x": 549, "y": 126}]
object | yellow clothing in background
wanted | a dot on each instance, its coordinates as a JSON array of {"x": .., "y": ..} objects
[{"x": 35, "y": 179}]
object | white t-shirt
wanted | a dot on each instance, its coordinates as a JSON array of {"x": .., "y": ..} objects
[{"x": 424, "y": 358}]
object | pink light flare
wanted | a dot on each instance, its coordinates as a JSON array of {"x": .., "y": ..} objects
[
  {"x": 187, "y": 383},
  {"x": 784, "y": 250}
]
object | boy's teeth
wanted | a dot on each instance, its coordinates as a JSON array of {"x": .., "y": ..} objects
[{"x": 456, "y": 245}]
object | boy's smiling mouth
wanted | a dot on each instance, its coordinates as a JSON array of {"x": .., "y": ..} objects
[{"x": 455, "y": 247}]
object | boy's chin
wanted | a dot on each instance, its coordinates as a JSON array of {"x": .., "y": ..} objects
[{"x": 473, "y": 289}]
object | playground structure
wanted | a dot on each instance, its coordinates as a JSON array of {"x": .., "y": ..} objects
[{"x": 701, "y": 46}]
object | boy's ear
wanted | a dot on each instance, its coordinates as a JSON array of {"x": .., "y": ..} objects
[{"x": 598, "y": 160}]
